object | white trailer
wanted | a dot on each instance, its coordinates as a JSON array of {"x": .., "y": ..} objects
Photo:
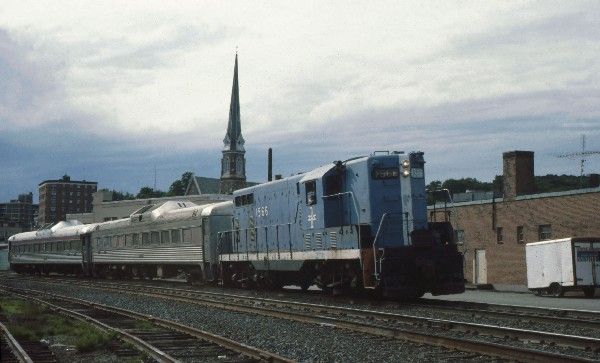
[{"x": 559, "y": 265}]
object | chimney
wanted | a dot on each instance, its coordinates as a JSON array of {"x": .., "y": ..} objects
[
  {"x": 270, "y": 166},
  {"x": 594, "y": 181},
  {"x": 518, "y": 177}
]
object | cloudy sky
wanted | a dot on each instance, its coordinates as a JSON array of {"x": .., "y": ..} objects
[{"x": 107, "y": 91}]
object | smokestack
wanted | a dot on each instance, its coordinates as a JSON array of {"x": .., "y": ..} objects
[
  {"x": 270, "y": 166},
  {"x": 518, "y": 178}
]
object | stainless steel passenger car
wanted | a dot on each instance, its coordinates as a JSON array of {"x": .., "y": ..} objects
[
  {"x": 177, "y": 238},
  {"x": 164, "y": 240},
  {"x": 57, "y": 249}
]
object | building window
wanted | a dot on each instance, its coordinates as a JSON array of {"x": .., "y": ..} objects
[
  {"x": 520, "y": 235},
  {"x": 460, "y": 236},
  {"x": 499, "y": 236},
  {"x": 544, "y": 231}
]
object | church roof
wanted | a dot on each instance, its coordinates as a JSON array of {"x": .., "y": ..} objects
[
  {"x": 233, "y": 139},
  {"x": 202, "y": 185}
]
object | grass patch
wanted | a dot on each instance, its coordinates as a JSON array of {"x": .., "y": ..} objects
[
  {"x": 32, "y": 321},
  {"x": 92, "y": 340}
]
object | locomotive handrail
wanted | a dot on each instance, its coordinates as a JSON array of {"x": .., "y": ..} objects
[
  {"x": 375, "y": 245},
  {"x": 383, "y": 217}
]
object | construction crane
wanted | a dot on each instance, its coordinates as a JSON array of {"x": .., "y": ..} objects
[{"x": 582, "y": 154}]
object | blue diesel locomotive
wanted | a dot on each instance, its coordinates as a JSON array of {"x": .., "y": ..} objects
[{"x": 351, "y": 225}]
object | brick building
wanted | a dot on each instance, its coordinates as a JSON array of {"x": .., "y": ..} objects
[
  {"x": 59, "y": 197},
  {"x": 492, "y": 233},
  {"x": 21, "y": 211}
]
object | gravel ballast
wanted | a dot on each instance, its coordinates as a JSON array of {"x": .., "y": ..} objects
[{"x": 298, "y": 341}]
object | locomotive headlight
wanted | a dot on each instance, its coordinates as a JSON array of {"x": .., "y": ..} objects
[{"x": 405, "y": 168}]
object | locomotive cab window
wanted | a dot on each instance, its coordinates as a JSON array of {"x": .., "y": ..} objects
[
  {"x": 311, "y": 192},
  {"x": 333, "y": 184}
]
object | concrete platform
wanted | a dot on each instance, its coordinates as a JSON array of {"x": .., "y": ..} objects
[{"x": 571, "y": 300}]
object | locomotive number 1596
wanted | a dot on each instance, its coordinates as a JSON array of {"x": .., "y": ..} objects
[{"x": 262, "y": 211}]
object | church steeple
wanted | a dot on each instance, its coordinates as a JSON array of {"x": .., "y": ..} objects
[
  {"x": 233, "y": 163},
  {"x": 233, "y": 139}
]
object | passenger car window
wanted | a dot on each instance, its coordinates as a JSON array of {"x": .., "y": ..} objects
[
  {"x": 155, "y": 237},
  {"x": 175, "y": 236},
  {"x": 187, "y": 236},
  {"x": 165, "y": 237}
]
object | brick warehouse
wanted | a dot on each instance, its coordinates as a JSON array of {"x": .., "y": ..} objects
[{"x": 492, "y": 233}]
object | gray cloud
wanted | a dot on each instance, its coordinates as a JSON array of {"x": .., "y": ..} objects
[{"x": 30, "y": 83}]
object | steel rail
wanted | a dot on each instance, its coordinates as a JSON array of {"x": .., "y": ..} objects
[
  {"x": 531, "y": 311},
  {"x": 19, "y": 353},
  {"x": 523, "y": 334},
  {"x": 586, "y": 343},
  {"x": 573, "y": 317},
  {"x": 238, "y": 347},
  {"x": 514, "y": 313},
  {"x": 141, "y": 345},
  {"x": 477, "y": 346}
]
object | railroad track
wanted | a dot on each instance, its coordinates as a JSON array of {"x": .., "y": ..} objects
[
  {"x": 498, "y": 341},
  {"x": 162, "y": 340},
  {"x": 10, "y": 349},
  {"x": 570, "y": 317}
]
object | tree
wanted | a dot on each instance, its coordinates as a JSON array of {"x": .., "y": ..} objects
[
  {"x": 147, "y": 192},
  {"x": 119, "y": 195},
  {"x": 178, "y": 187}
]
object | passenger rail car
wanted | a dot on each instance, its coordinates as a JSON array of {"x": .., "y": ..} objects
[
  {"x": 56, "y": 249},
  {"x": 361, "y": 223},
  {"x": 164, "y": 240}
]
